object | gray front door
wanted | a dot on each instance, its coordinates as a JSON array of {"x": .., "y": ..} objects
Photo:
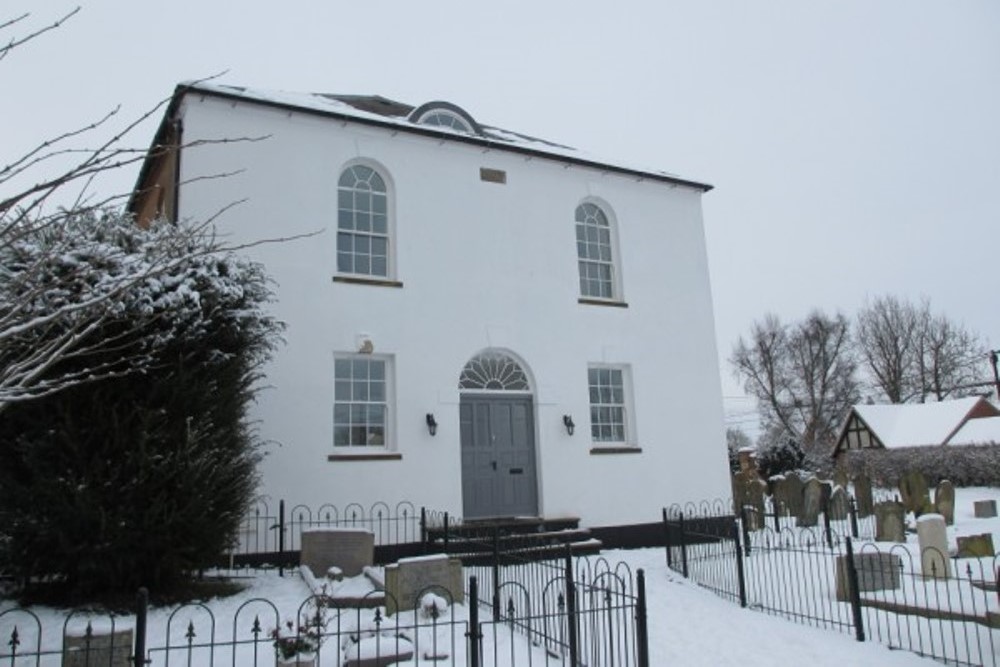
[{"x": 498, "y": 456}]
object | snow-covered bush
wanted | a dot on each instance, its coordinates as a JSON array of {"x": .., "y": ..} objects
[
  {"x": 779, "y": 457},
  {"x": 138, "y": 470},
  {"x": 964, "y": 465}
]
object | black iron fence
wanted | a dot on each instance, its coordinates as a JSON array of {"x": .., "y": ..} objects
[
  {"x": 927, "y": 602},
  {"x": 564, "y": 621}
]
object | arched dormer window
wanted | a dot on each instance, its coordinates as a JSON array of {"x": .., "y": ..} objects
[
  {"x": 445, "y": 114},
  {"x": 362, "y": 223},
  {"x": 595, "y": 253}
]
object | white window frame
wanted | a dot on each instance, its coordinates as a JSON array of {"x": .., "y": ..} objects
[
  {"x": 340, "y": 400},
  {"x": 626, "y": 405},
  {"x": 456, "y": 124},
  {"x": 586, "y": 244},
  {"x": 347, "y": 224}
]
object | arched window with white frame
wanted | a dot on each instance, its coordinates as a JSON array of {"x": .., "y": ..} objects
[
  {"x": 363, "y": 233},
  {"x": 595, "y": 253}
]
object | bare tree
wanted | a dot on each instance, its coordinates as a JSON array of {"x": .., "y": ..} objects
[
  {"x": 803, "y": 375},
  {"x": 888, "y": 338},
  {"x": 43, "y": 191},
  {"x": 912, "y": 354}
]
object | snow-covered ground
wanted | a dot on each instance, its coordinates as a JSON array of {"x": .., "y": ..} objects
[{"x": 688, "y": 625}]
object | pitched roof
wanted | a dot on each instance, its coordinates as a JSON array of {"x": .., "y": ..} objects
[
  {"x": 377, "y": 110},
  {"x": 978, "y": 432},
  {"x": 919, "y": 424}
]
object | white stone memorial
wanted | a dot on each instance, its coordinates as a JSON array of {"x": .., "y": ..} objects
[{"x": 932, "y": 535}]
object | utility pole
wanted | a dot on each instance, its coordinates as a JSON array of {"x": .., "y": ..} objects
[{"x": 996, "y": 376}]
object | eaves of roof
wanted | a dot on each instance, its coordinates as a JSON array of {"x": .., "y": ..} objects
[{"x": 430, "y": 131}]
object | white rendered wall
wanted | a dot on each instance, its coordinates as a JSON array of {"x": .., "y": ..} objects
[{"x": 482, "y": 265}]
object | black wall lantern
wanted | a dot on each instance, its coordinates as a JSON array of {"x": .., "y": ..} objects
[
  {"x": 568, "y": 423},
  {"x": 432, "y": 425}
]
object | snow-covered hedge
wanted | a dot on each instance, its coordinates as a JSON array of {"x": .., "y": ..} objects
[
  {"x": 137, "y": 471},
  {"x": 964, "y": 465}
]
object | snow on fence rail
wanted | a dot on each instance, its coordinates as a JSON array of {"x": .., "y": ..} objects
[{"x": 822, "y": 576}]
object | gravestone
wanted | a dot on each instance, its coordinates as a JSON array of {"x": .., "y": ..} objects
[
  {"x": 976, "y": 546},
  {"x": 916, "y": 495},
  {"x": 932, "y": 535},
  {"x": 876, "y": 571},
  {"x": 378, "y": 651},
  {"x": 411, "y": 577},
  {"x": 791, "y": 490},
  {"x": 350, "y": 549},
  {"x": 985, "y": 509},
  {"x": 748, "y": 490},
  {"x": 840, "y": 478},
  {"x": 889, "y": 522},
  {"x": 826, "y": 490},
  {"x": 106, "y": 649},
  {"x": 839, "y": 504},
  {"x": 812, "y": 496},
  {"x": 944, "y": 501},
  {"x": 863, "y": 495}
]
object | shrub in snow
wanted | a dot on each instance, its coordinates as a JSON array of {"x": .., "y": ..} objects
[
  {"x": 139, "y": 473},
  {"x": 778, "y": 457},
  {"x": 964, "y": 465}
]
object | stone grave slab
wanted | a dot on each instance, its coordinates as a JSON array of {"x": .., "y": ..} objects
[
  {"x": 877, "y": 571},
  {"x": 349, "y": 549},
  {"x": 378, "y": 651},
  {"x": 812, "y": 496},
  {"x": 932, "y": 535},
  {"x": 789, "y": 493},
  {"x": 985, "y": 509},
  {"x": 889, "y": 522},
  {"x": 976, "y": 546},
  {"x": 944, "y": 501},
  {"x": 409, "y": 578},
  {"x": 106, "y": 649}
]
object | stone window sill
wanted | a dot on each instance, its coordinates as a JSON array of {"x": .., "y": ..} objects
[
  {"x": 615, "y": 450},
  {"x": 602, "y": 302},
  {"x": 371, "y": 456},
  {"x": 375, "y": 282}
]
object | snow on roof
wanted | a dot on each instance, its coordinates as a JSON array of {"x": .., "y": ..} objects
[
  {"x": 983, "y": 431},
  {"x": 383, "y": 111},
  {"x": 916, "y": 424}
]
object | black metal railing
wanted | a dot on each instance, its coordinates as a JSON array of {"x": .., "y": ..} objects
[
  {"x": 600, "y": 622},
  {"x": 927, "y": 602}
]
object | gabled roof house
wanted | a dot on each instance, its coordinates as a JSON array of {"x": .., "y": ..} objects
[
  {"x": 478, "y": 321},
  {"x": 913, "y": 424}
]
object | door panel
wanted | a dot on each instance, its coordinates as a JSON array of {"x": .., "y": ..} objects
[{"x": 498, "y": 456}]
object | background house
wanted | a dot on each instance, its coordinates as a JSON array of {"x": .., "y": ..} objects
[
  {"x": 482, "y": 322},
  {"x": 914, "y": 424}
]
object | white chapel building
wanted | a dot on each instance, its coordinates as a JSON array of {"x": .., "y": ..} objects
[{"x": 478, "y": 321}]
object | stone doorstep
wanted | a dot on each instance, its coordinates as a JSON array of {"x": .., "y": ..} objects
[{"x": 518, "y": 525}]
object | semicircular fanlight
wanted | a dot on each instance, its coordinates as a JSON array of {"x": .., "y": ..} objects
[{"x": 493, "y": 371}]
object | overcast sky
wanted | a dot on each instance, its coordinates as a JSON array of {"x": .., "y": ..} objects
[{"x": 854, "y": 144}]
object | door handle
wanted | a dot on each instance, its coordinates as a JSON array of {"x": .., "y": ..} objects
[{"x": 494, "y": 464}]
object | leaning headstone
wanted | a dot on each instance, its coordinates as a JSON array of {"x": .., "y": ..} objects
[
  {"x": 976, "y": 546},
  {"x": 111, "y": 649},
  {"x": 863, "y": 495},
  {"x": 985, "y": 509},
  {"x": 916, "y": 496},
  {"x": 812, "y": 497},
  {"x": 350, "y": 549},
  {"x": 840, "y": 478},
  {"x": 409, "y": 578},
  {"x": 889, "y": 522},
  {"x": 876, "y": 571},
  {"x": 839, "y": 504},
  {"x": 932, "y": 535},
  {"x": 944, "y": 501}
]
